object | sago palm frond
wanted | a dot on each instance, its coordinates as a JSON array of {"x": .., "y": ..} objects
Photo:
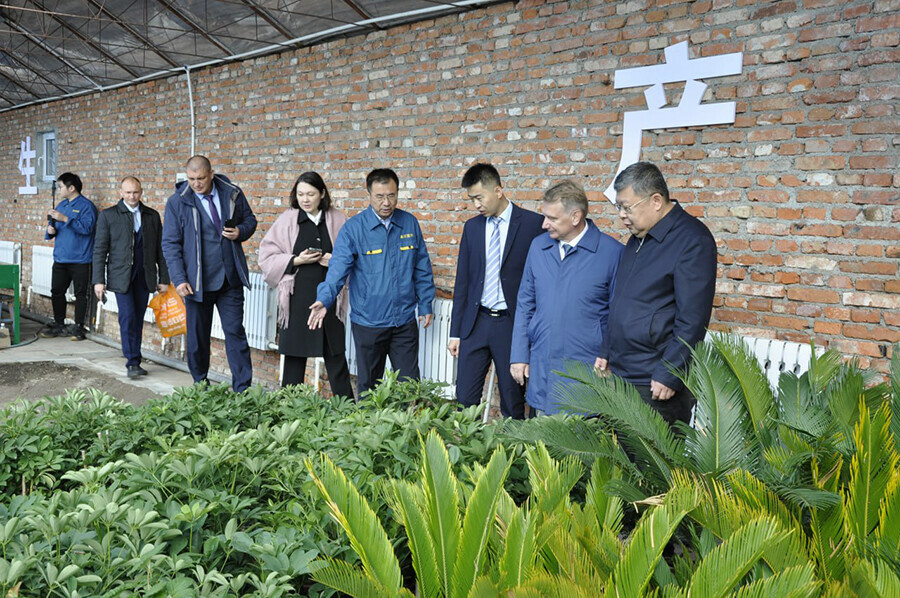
[
  {"x": 794, "y": 582},
  {"x": 887, "y": 536},
  {"x": 600, "y": 544},
  {"x": 552, "y": 586},
  {"x": 355, "y": 516},
  {"x": 603, "y": 506},
  {"x": 822, "y": 370},
  {"x": 755, "y": 389},
  {"x": 871, "y": 469},
  {"x": 638, "y": 426},
  {"x": 645, "y": 547},
  {"x": 726, "y": 506},
  {"x": 551, "y": 480},
  {"x": 407, "y": 502},
  {"x": 441, "y": 507},
  {"x": 728, "y": 564},
  {"x": 566, "y": 435},
  {"x": 895, "y": 393},
  {"x": 828, "y": 542},
  {"x": 799, "y": 408},
  {"x": 347, "y": 579},
  {"x": 716, "y": 443},
  {"x": 520, "y": 549},
  {"x": 875, "y": 580},
  {"x": 477, "y": 523}
]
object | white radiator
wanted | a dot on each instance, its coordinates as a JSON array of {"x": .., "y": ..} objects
[
  {"x": 42, "y": 273},
  {"x": 435, "y": 362},
  {"x": 776, "y": 356},
  {"x": 259, "y": 314},
  {"x": 11, "y": 253}
]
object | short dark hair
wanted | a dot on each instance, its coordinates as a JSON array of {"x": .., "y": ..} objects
[
  {"x": 482, "y": 173},
  {"x": 644, "y": 178},
  {"x": 70, "y": 179},
  {"x": 381, "y": 175},
  {"x": 200, "y": 163},
  {"x": 570, "y": 194},
  {"x": 313, "y": 179}
]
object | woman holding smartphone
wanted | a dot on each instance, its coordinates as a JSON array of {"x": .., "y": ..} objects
[{"x": 294, "y": 257}]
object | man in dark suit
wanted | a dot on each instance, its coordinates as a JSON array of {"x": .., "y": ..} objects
[
  {"x": 128, "y": 261},
  {"x": 492, "y": 256},
  {"x": 207, "y": 219}
]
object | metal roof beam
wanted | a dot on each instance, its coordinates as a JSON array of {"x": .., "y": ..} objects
[
  {"x": 361, "y": 12},
  {"x": 90, "y": 42},
  {"x": 31, "y": 69},
  {"x": 19, "y": 84},
  {"x": 268, "y": 18},
  {"x": 190, "y": 23},
  {"x": 134, "y": 33},
  {"x": 36, "y": 40}
]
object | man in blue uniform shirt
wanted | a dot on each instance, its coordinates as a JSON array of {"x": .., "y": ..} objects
[
  {"x": 72, "y": 230},
  {"x": 563, "y": 301},
  {"x": 382, "y": 252},
  {"x": 664, "y": 292}
]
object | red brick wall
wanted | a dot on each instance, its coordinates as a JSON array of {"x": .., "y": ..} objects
[{"x": 801, "y": 192}]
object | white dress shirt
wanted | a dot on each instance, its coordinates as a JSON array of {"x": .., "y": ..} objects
[{"x": 505, "y": 217}]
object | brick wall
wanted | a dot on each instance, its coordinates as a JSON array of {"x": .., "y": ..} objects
[{"x": 801, "y": 192}]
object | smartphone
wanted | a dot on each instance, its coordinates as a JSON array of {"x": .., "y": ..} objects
[
  {"x": 230, "y": 223},
  {"x": 315, "y": 249}
]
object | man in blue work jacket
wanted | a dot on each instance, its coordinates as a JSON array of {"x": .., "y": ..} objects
[
  {"x": 665, "y": 286},
  {"x": 383, "y": 253},
  {"x": 72, "y": 229},
  {"x": 563, "y": 302}
]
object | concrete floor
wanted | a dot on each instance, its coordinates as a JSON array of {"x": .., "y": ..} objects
[{"x": 91, "y": 356}]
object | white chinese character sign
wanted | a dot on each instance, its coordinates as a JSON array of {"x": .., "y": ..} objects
[
  {"x": 26, "y": 167},
  {"x": 690, "y": 112}
]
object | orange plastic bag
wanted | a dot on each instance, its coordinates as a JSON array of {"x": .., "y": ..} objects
[{"x": 168, "y": 309}]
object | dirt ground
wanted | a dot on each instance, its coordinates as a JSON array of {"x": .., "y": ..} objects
[{"x": 34, "y": 380}]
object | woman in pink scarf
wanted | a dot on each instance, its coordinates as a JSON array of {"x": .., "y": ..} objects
[{"x": 294, "y": 259}]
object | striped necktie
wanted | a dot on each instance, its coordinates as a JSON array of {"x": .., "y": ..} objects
[{"x": 492, "y": 267}]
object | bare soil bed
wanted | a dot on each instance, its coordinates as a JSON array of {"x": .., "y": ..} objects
[{"x": 33, "y": 380}]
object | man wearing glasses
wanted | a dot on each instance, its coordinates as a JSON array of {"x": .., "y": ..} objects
[
  {"x": 382, "y": 252},
  {"x": 664, "y": 285}
]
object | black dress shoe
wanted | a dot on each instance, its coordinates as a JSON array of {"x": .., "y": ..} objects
[
  {"x": 135, "y": 370},
  {"x": 78, "y": 334}
]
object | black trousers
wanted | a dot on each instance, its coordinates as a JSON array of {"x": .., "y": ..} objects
[
  {"x": 678, "y": 408},
  {"x": 373, "y": 345},
  {"x": 490, "y": 339},
  {"x": 335, "y": 365},
  {"x": 62, "y": 276}
]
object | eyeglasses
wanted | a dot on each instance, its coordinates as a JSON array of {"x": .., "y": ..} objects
[
  {"x": 386, "y": 197},
  {"x": 627, "y": 210}
]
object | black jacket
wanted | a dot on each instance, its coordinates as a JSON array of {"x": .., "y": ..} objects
[{"x": 114, "y": 248}]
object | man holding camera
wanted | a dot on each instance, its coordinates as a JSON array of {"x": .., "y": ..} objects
[
  {"x": 207, "y": 219},
  {"x": 128, "y": 261},
  {"x": 71, "y": 226}
]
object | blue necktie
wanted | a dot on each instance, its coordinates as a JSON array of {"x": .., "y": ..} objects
[
  {"x": 567, "y": 249},
  {"x": 492, "y": 267},
  {"x": 213, "y": 212}
]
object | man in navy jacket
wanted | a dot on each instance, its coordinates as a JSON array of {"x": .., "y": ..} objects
[
  {"x": 492, "y": 256},
  {"x": 72, "y": 230},
  {"x": 665, "y": 286},
  {"x": 382, "y": 252},
  {"x": 206, "y": 221}
]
